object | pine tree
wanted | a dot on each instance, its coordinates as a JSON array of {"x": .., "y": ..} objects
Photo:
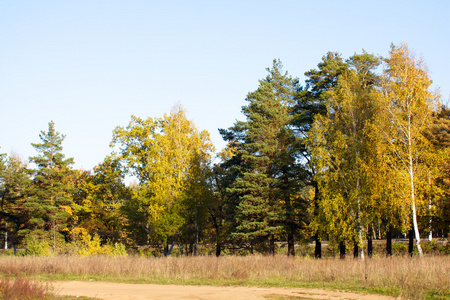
[
  {"x": 50, "y": 199},
  {"x": 265, "y": 153}
]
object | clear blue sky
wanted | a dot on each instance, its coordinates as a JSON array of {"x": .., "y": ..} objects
[{"x": 89, "y": 65}]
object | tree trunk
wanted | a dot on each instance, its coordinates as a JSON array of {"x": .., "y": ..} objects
[
  {"x": 217, "y": 228},
  {"x": 218, "y": 249},
  {"x": 412, "y": 190},
  {"x": 272, "y": 245},
  {"x": 359, "y": 246},
  {"x": 430, "y": 220},
  {"x": 318, "y": 247},
  {"x": 411, "y": 242},
  {"x": 170, "y": 249},
  {"x": 355, "y": 250},
  {"x": 196, "y": 239},
  {"x": 6, "y": 235},
  {"x": 389, "y": 241},
  {"x": 290, "y": 241},
  {"x": 369, "y": 247},
  {"x": 342, "y": 250},
  {"x": 289, "y": 217},
  {"x": 379, "y": 230},
  {"x": 416, "y": 230},
  {"x": 166, "y": 248}
]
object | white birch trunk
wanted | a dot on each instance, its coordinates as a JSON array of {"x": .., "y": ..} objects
[
  {"x": 6, "y": 235},
  {"x": 358, "y": 197},
  {"x": 430, "y": 235},
  {"x": 413, "y": 196}
]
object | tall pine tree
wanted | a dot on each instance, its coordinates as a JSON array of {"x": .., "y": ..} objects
[
  {"x": 50, "y": 196},
  {"x": 266, "y": 146}
]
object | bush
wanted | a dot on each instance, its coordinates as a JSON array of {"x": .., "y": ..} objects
[
  {"x": 400, "y": 249},
  {"x": 38, "y": 244},
  {"x": 434, "y": 247},
  {"x": 87, "y": 245}
]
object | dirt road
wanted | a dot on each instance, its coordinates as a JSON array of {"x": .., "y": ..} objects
[{"x": 122, "y": 291}]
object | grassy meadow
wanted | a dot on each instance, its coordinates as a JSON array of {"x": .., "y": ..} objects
[{"x": 411, "y": 278}]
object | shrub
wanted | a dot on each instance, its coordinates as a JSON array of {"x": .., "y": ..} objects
[
  {"x": 87, "y": 245},
  {"x": 38, "y": 244},
  {"x": 435, "y": 247},
  {"x": 400, "y": 249}
]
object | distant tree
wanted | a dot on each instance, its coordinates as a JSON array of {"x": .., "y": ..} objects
[
  {"x": 439, "y": 196},
  {"x": 14, "y": 183},
  {"x": 50, "y": 201},
  {"x": 169, "y": 157},
  {"x": 100, "y": 200},
  {"x": 223, "y": 208}
]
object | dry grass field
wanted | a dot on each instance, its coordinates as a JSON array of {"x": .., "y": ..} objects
[{"x": 410, "y": 278}]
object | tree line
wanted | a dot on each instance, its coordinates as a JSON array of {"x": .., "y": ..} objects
[{"x": 357, "y": 152}]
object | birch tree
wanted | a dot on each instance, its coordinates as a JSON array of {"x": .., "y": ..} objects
[
  {"x": 407, "y": 111},
  {"x": 341, "y": 149}
]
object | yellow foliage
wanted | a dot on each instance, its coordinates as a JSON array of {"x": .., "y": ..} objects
[
  {"x": 87, "y": 245},
  {"x": 168, "y": 155}
]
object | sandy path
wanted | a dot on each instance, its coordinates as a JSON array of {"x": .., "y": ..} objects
[{"x": 122, "y": 291}]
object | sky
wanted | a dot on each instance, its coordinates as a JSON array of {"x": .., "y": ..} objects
[{"x": 89, "y": 65}]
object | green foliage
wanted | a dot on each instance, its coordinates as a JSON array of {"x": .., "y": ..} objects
[
  {"x": 50, "y": 201},
  {"x": 309, "y": 104},
  {"x": 434, "y": 247},
  {"x": 265, "y": 159},
  {"x": 99, "y": 203},
  {"x": 399, "y": 248},
  {"x": 14, "y": 185},
  {"x": 39, "y": 243}
]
